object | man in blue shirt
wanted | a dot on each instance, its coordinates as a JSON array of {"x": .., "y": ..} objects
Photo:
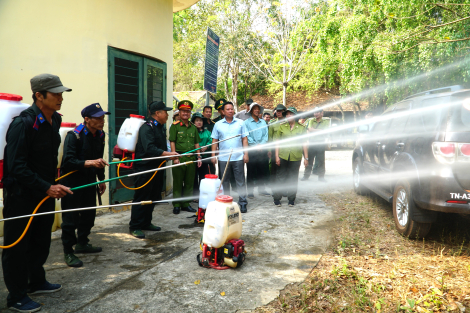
[
  {"x": 230, "y": 126},
  {"x": 258, "y": 168}
]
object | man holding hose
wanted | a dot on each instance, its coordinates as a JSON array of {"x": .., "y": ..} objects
[
  {"x": 83, "y": 152},
  {"x": 29, "y": 172}
]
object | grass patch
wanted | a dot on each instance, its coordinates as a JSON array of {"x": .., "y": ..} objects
[{"x": 371, "y": 268}]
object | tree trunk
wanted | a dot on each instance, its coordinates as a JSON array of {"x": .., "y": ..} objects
[
  {"x": 342, "y": 112},
  {"x": 358, "y": 109},
  {"x": 234, "y": 72}
]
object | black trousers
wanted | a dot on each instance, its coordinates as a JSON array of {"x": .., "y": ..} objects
[
  {"x": 206, "y": 168},
  {"x": 81, "y": 221},
  {"x": 23, "y": 264},
  {"x": 141, "y": 215},
  {"x": 288, "y": 178},
  {"x": 257, "y": 171},
  {"x": 316, "y": 153},
  {"x": 274, "y": 167}
]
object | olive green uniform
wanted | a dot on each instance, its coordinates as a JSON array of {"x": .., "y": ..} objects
[
  {"x": 316, "y": 149},
  {"x": 185, "y": 139},
  {"x": 272, "y": 129},
  {"x": 291, "y": 156}
]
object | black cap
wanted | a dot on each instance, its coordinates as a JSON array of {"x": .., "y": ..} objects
[
  {"x": 249, "y": 101},
  {"x": 47, "y": 82},
  {"x": 158, "y": 106},
  {"x": 93, "y": 110}
]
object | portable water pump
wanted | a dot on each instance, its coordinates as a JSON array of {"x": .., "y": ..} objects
[{"x": 221, "y": 246}]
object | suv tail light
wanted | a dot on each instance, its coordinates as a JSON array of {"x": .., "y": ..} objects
[{"x": 450, "y": 152}]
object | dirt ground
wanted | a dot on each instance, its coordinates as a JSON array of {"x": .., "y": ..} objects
[{"x": 371, "y": 268}]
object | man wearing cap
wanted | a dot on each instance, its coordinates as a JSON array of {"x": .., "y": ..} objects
[
  {"x": 208, "y": 124},
  {"x": 258, "y": 167},
  {"x": 184, "y": 137},
  {"x": 230, "y": 126},
  {"x": 245, "y": 114},
  {"x": 29, "y": 172},
  {"x": 273, "y": 127},
  {"x": 150, "y": 143},
  {"x": 83, "y": 152},
  {"x": 219, "y": 106},
  {"x": 317, "y": 146},
  {"x": 288, "y": 158}
]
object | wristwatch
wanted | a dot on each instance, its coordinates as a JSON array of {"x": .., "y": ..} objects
[{"x": 306, "y": 159}]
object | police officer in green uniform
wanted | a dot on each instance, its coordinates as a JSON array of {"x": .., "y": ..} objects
[
  {"x": 83, "y": 152},
  {"x": 184, "y": 137},
  {"x": 29, "y": 172},
  {"x": 219, "y": 106},
  {"x": 317, "y": 146},
  {"x": 288, "y": 158},
  {"x": 150, "y": 143}
]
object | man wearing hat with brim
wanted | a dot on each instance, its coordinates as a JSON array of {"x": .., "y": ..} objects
[
  {"x": 150, "y": 143},
  {"x": 273, "y": 127},
  {"x": 219, "y": 106},
  {"x": 317, "y": 146},
  {"x": 29, "y": 172},
  {"x": 184, "y": 137},
  {"x": 83, "y": 152},
  {"x": 289, "y": 157},
  {"x": 258, "y": 167}
]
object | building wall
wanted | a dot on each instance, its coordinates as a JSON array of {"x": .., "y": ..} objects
[{"x": 71, "y": 38}]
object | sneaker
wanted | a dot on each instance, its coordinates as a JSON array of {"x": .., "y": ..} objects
[
  {"x": 137, "y": 233},
  {"x": 277, "y": 203},
  {"x": 264, "y": 193},
  {"x": 152, "y": 227},
  {"x": 88, "y": 248},
  {"x": 72, "y": 261},
  {"x": 304, "y": 178},
  {"x": 291, "y": 203},
  {"x": 47, "y": 287},
  {"x": 251, "y": 196},
  {"x": 25, "y": 305}
]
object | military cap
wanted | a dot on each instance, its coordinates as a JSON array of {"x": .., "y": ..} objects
[
  {"x": 290, "y": 109},
  {"x": 280, "y": 107},
  {"x": 196, "y": 115},
  {"x": 219, "y": 104},
  {"x": 47, "y": 82},
  {"x": 185, "y": 105},
  {"x": 158, "y": 106}
]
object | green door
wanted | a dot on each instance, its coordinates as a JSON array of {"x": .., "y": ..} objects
[{"x": 133, "y": 83}]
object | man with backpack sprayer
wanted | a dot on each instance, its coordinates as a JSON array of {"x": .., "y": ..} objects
[
  {"x": 29, "y": 171},
  {"x": 83, "y": 151}
]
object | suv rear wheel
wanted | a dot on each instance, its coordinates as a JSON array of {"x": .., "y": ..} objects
[
  {"x": 403, "y": 207},
  {"x": 358, "y": 176}
]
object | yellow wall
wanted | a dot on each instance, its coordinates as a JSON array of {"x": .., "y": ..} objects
[{"x": 71, "y": 38}]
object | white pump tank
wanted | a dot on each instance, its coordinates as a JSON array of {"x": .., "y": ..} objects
[
  {"x": 10, "y": 106},
  {"x": 129, "y": 132},
  {"x": 209, "y": 189},
  {"x": 63, "y": 130},
  {"x": 223, "y": 222}
]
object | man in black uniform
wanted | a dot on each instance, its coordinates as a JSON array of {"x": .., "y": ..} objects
[
  {"x": 83, "y": 151},
  {"x": 151, "y": 143},
  {"x": 207, "y": 122},
  {"x": 29, "y": 171}
]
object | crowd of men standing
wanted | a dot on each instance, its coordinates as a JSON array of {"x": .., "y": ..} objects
[{"x": 196, "y": 141}]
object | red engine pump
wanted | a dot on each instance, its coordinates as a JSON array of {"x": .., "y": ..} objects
[
  {"x": 232, "y": 255},
  {"x": 201, "y": 213}
]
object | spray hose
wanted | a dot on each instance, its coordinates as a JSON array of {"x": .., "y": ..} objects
[
  {"x": 31, "y": 218},
  {"x": 131, "y": 188}
]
